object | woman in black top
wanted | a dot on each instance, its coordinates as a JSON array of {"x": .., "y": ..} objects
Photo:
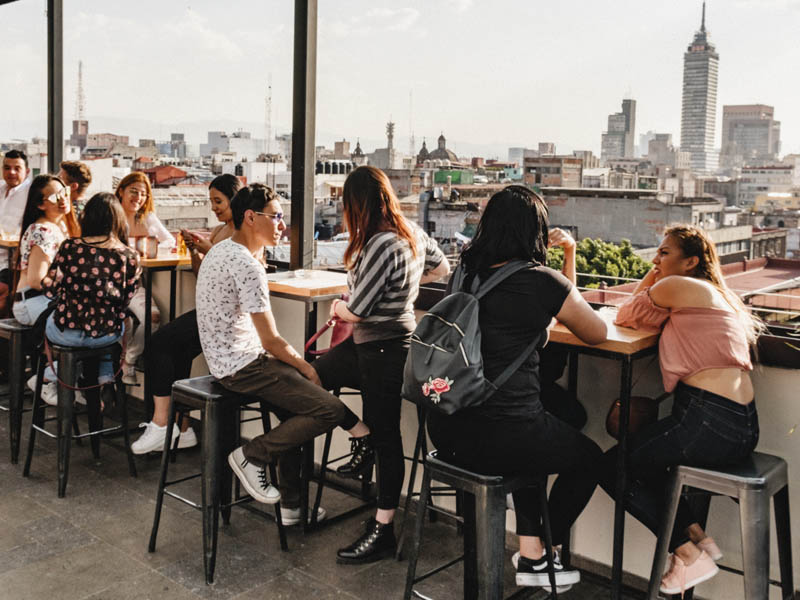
[{"x": 511, "y": 433}]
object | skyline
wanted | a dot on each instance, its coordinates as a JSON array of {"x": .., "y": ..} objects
[{"x": 522, "y": 82}]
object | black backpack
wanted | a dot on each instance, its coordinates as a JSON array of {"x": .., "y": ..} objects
[{"x": 444, "y": 367}]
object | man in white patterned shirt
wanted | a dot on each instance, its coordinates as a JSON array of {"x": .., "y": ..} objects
[{"x": 13, "y": 196}]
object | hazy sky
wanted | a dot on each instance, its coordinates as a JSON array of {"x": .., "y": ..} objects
[{"x": 487, "y": 74}]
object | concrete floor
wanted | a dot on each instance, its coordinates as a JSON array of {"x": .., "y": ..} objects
[{"x": 92, "y": 544}]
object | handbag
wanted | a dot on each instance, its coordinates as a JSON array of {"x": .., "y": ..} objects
[
  {"x": 342, "y": 330},
  {"x": 644, "y": 411}
]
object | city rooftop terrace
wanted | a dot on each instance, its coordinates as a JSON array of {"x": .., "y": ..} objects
[{"x": 93, "y": 543}]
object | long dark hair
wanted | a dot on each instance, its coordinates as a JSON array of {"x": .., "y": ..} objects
[
  {"x": 514, "y": 225},
  {"x": 226, "y": 184},
  {"x": 103, "y": 216},
  {"x": 33, "y": 212}
]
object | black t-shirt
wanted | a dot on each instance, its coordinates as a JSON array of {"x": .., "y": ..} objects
[{"x": 512, "y": 315}]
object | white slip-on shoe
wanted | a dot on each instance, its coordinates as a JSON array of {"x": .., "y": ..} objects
[
  {"x": 710, "y": 547},
  {"x": 291, "y": 516},
  {"x": 188, "y": 439}
]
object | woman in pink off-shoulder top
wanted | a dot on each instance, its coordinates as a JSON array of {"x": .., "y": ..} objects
[{"x": 704, "y": 353}]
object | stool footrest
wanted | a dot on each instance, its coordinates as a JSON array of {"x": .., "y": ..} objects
[
  {"x": 182, "y": 499},
  {"x": 98, "y": 432},
  {"x": 182, "y": 479},
  {"x": 439, "y": 569}
]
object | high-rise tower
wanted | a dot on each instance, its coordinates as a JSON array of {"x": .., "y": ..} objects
[
  {"x": 699, "y": 107},
  {"x": 80, "y": 126}
]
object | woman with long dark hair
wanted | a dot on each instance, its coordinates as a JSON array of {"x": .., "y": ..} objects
[
  {"x": 174, "y": 346},
  {"x": 511, "y": 433},
  {"x": 92, "y": 279},
  {"x": 704, "y": 353},
  {"x": 387, "y": 258},
  {"x": 46, "y": 222}
]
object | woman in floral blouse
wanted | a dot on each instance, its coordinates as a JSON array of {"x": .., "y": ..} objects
[
  {"x": 48, "y": 219},
  {"x": 93, "y": 279}
]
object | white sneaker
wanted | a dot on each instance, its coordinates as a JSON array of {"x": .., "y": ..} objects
[
  {"x": 153, "y": 438},
  {"x": 253, "y": 478},
  {"x": 129, "y": 374},
  {"x": 50, "y": 392},
  {"x": 291, "y": 516},
  {"x": 188, "y": 439}
]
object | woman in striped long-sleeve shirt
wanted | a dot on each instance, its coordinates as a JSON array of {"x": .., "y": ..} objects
[{"x": 387, "y": 258}]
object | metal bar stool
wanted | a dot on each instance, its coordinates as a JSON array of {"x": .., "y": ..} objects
[
  {"x": 418, "y": 457},
  {"x": 69, "y": 358},
  {"x": 18, "y": 337},
  {"x": 220, "y": 414},
  {"x": 752, "y": 482},
  {"x": 484, "y": 521}
]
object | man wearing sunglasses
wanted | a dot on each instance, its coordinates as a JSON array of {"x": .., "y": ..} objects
[
  {"x": 13, "y": 196},
  {"x": 247, "y": 354}
]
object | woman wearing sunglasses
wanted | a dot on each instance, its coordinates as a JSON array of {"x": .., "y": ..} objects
[{"x": 47, "y": 221}]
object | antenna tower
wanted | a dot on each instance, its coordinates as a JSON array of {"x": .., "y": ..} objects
[
  {"x": 268, "y": 118},
  {"x": 80, "y": 100},
  {"x": 412, "y": 146}
]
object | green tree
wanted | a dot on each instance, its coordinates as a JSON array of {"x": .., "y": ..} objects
[{"x": 596, "y": 257}]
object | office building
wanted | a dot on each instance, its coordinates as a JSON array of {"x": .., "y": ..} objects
[
  {"x": 617, "y": 141},
  {"x": 750, "y": 134}
]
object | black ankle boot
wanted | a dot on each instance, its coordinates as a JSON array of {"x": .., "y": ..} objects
[
  {"x": 376, "y": 543},
  {"x": 362, "y": 459}
]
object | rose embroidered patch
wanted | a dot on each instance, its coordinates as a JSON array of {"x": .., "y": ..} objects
[{"x": 434, "y": 388}]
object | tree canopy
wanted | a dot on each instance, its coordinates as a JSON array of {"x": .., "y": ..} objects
[{"x": 596, "y": 257}]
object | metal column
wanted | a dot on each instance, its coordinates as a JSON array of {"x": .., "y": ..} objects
[
  {"x": 303, "y": 129},
  {"x": 55, "y": 84}
]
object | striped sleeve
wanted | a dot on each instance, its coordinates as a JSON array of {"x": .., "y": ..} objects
[
  {"x": 378, "y": 262},
  {"x": 433, "y": 254}
]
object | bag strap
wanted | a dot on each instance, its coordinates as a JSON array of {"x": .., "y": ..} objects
[
  {"x": 49, "y": 355},
  {"x": 514, "y": 366},
  {"x": 317, "y": 335},
  {"x": 480, "y": 289}
]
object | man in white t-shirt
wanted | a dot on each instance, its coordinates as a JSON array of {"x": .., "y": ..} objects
[
  {"x": 237, "y": 330},
  {"x": 13, "y": 197}
]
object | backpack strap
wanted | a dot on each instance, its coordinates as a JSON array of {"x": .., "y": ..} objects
[
  {"x": 480, "y": 289},
  {"x": 512, "y": 368}
]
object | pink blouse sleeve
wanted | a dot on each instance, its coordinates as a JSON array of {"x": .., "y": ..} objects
[{"x": 639, "y": 312}]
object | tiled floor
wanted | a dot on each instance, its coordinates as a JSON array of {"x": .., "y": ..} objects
[{"x": 92, "y": 544}]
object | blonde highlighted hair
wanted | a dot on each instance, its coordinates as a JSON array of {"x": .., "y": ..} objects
[{"x": 693, "y": 241}]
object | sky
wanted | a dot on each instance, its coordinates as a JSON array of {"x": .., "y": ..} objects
[{"x": 489, "y": 75}]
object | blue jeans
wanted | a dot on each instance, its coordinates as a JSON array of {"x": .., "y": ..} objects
[
  {"x": 704, "y": 430},
  {"x": 79, "y": 339}
]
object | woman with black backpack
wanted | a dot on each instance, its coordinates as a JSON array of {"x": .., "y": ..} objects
[{"x": 510, "y": 433}]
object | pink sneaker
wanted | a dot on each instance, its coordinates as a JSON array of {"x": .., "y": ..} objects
[
  {"x": 709, "y": 546},
  {"x": 681, "y": 577}
]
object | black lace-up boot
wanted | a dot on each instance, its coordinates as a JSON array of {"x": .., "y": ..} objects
[
  {"x": 362, "y": 459},
  {"x": 376, "y": 543}
]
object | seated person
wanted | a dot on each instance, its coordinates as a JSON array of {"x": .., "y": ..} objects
[
  {"x": 136, "y": 198},
  {"x": 704, "y": 353},
  {"x": 246, "y": 353},
  {"x": 93, "y": 279},
  {"x": 511, "y": 433},
  {"x": 174, "y": 346},
  {"x": 46, "y": 222}
]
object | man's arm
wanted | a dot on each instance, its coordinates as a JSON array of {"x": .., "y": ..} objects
[{"x": 278, "y": 347}]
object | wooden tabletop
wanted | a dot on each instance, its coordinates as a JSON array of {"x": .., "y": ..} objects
[
  {"x": 9, "y": 242},
  {"x": 313, "y": 283},
  {"x": 620, "y": 339},
  {"x": 165, "y": 260}
]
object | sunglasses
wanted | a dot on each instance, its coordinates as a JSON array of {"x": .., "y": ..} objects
[
  {"x": 276, "y": 217},
  {"x": 61, "y": 194}
]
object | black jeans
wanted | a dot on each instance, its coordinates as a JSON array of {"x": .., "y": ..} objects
[
  {"x": 538, "y": 445},
  {"x": 375, "y": 368},
  {"x": 171, "y": 351},
  {"x": 704, "y": 430}
]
